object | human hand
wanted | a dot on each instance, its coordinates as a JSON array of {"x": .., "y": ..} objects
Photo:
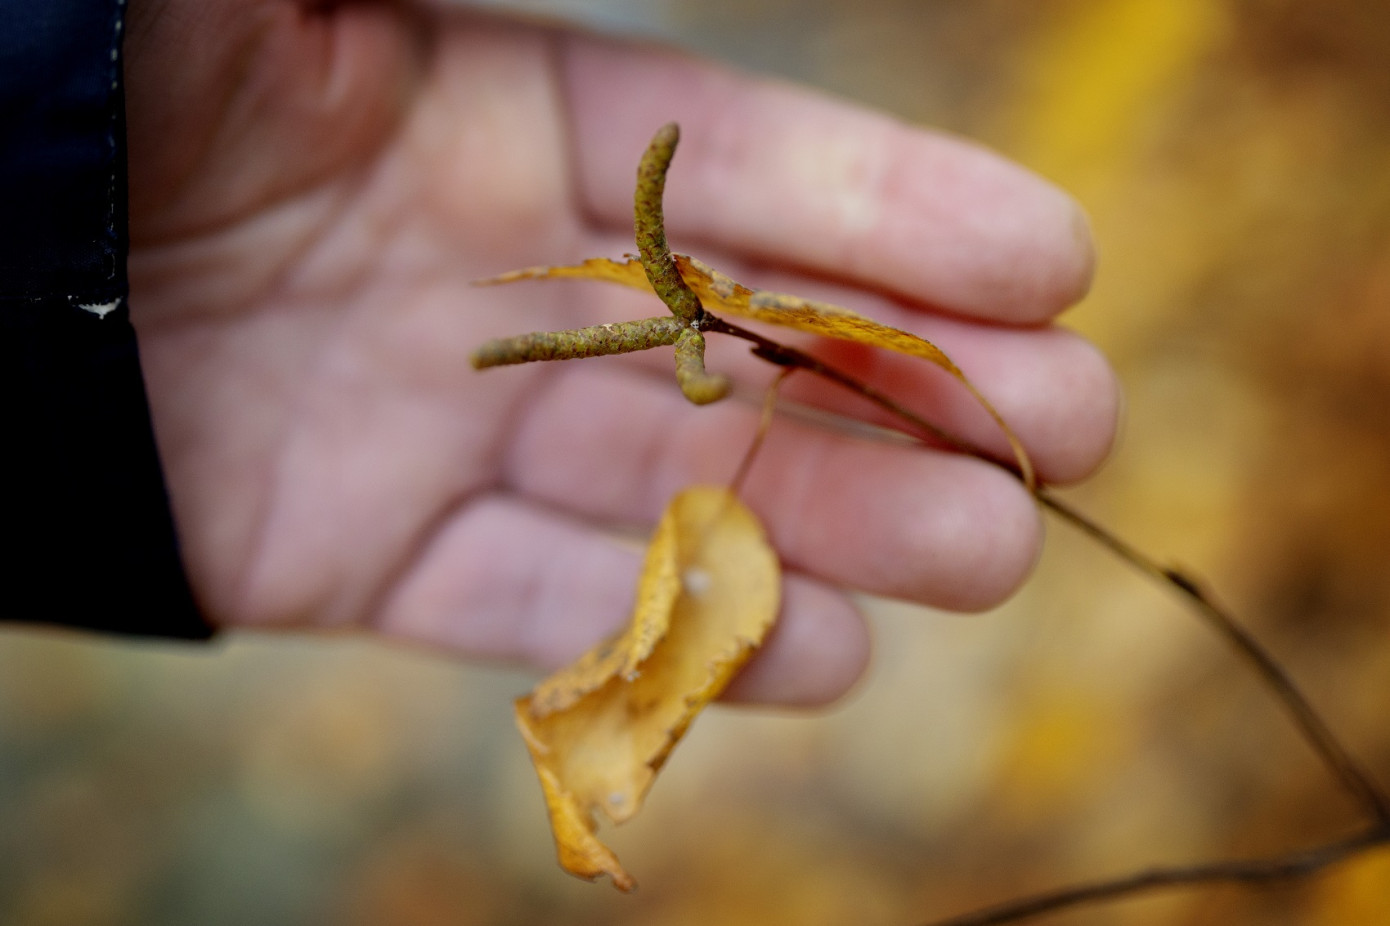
[{"x": 313, "y": 188}]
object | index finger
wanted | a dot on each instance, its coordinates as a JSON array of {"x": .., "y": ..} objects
[{"x": 785, "y": 174}]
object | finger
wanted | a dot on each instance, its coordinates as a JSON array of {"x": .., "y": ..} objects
[
  {"x": 785, "y": 174},
  {"x": 909, "y": 523},
  {"x": 1017, "y": 371},
  {"x": 506, "y": 580},
  {"x": 1057, "y": 392}
]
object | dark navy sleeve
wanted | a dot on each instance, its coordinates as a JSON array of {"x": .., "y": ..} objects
[{"x": 89, "y": 537}]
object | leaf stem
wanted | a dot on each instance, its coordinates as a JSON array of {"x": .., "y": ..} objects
[
  {"x": 790, "y": 357},
  {"x": 1333, "y": 755},
  {"x": 764, "y": 425}
]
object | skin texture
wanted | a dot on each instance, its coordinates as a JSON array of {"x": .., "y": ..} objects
[{"x": 313, "y": 186}]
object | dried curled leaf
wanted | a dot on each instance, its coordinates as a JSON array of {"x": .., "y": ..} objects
[
  {"x": 600, "y": 729},
  {"x": 719, "y": 293},
  {"x": 628, "y": 273}
]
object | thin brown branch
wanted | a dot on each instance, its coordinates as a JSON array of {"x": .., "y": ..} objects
[
  {"x": 790, "y": 357},
  {"x": 1338, "y": 761},
  {"x": 1295, "y": 864}
]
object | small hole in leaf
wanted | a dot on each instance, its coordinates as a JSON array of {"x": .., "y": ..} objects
[{"x": 695, "y": 581}]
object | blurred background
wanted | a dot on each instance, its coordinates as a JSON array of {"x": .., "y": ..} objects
[{"x": 1235, "y": 158}]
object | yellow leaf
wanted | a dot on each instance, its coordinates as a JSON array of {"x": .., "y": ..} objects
[
  {"x": 600, "y": 729},
  {"x": 721, "y": 294},
  {"x": 627, "y": 273}
]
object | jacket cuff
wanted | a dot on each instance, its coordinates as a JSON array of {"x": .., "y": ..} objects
[
  {"x": 90, "y": 530},
  {"x": 91, "y": 536}
]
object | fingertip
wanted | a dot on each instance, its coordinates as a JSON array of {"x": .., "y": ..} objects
[
  {"x": 1057, "y": 390},
  {"x": 1086, "y": 436},
  {"x": 1012, "y": 246},
  {"x": 817, "y": 651},
  {"x": 992, "y": 535},
  {"x": 1063, "y": 257},
  {"x": 1084, "y": 248},
  {"x": 920, "y": 525}
]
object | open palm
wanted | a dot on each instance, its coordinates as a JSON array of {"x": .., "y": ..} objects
[{"x": 313, "y": 188}]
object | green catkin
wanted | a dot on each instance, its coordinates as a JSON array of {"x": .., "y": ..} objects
[
  {"x": 651, "y": 228},
  {"x": 594, "y": 341},
  {"x": 698, "y": 385}
]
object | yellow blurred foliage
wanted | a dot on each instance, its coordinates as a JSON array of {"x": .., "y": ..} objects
[
  {"x": 1357, "y": 892},
  {"x": 1097, "y": 71},
  {"x": 1059, "y": 741}
]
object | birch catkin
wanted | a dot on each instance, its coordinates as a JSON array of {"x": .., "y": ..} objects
[
  {"x": 594, "y": 341},
  {"x": 650, "y": 226},
  {"x": 681, "y": 328},
  {"x": 698, "y": 385}
]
